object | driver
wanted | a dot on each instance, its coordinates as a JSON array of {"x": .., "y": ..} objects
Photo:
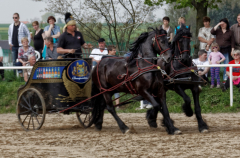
[{"x": 71, "y": 41}]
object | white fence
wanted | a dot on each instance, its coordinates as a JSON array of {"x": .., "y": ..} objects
[
  {"x": 220, "y": 65},
  {"x": 230, "y": 71}
]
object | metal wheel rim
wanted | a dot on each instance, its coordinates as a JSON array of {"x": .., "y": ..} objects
[
  {"x": 85, "y": 119},
  {"x": 31, "y": 110}
]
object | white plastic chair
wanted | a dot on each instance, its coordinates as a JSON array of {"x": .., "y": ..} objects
[{"x": 37, "y": 55}]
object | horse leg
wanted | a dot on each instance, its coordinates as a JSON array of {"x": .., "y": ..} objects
[
  {"x": 162, "y": 107},
  {"x": 167, "y": 122},
  {"x": 99, "y": 120},
  {"x": 187, "y": 105},
  {"x": 111, "y": 109},
  {"x": 202, "y": 126},
  {"x": 151, "y": 116}
]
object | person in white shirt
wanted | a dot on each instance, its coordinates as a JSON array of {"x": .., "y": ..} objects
[
  {"x": 202, "y": 60},
  {"x": 16, "y": 32},
  {"x": 97, "y": 54},
  {"x": 205, "y": 37}
]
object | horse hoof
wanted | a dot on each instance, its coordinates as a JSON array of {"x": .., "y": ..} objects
[
  {"x": 97, "y": 128},
  {"x": 204, "y": 131},
  {"x": 177, "y": 132},
  {"x": 126, "y": 131}
]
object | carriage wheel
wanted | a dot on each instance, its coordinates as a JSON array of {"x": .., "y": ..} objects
[
  {"x": 31, "y": 109},
  {"x": 86, "y": 118}
]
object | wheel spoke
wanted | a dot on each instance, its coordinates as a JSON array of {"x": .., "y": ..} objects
[
  {"x": 24, "y": 112},
  {"x": 29, "y": 99},
  {"x": 33, "y": 124},
  {"x": 25, "y": 107},
  {"x": 25, "y": 118},
  {"x": 30, "y": 110},
  {"x": 26, "y": 102},
  {"x": 89, "y": 117},
  {"x": 85, "y": 119},
  {"x": 37, "y": 120},
  {"x": 29, "y": 121}
]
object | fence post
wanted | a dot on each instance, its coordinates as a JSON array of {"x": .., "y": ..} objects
[{"x": 231, "y": 87}]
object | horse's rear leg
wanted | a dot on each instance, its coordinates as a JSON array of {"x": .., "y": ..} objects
[
  {"x": 111, "y": 109},
  {"x": 202, "y": 126},
  {"x": 187, "y": 105}
]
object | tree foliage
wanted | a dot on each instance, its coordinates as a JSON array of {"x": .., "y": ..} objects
[
  {"x": 115, "y": 20},
  {"x": 185, "y": 3},
  {"x": 46, "y": 15},
  {"x": 227, "y": 9}
]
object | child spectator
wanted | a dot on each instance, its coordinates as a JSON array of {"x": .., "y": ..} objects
[
  {"x": 215, "y": 57},
  {"x": 112, "y": 51}
]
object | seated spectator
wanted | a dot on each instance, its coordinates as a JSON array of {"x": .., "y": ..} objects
[
  {"x": 31, "y": 62},
  {"x": 97, "y": 54},
  {"x": 1, "y": 64},
  {"x": 201, "y": 60},
  {"x": 51, "y": 52},
  {"x": 23, "y": 53},
  {"x": 235, "y": 72},
  {"x": 215, "y": 57}
]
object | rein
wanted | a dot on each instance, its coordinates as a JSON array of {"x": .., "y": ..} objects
[
  {"x": 159, "y": 44},
  {"x": 180, "y": 48}
]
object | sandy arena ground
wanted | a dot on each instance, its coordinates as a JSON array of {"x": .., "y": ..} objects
[{"x": 61, "y": 136}]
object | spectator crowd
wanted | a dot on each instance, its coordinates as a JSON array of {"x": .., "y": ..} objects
[{"x": 218, "y": 44}]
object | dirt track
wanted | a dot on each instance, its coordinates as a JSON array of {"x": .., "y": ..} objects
[{"x": 61, "y": 136}]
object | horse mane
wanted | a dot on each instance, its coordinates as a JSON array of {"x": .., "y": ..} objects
[{"x": 136, "y": 45}]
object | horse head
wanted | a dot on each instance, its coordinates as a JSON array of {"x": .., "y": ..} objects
[
  {"x": 181, "y": 43},
  {"x": 149, "y": 44},
  {"x": 161, "y": 46}
]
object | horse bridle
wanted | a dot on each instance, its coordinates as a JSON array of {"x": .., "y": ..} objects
[
  {"x": 161, "y": 51},
  {"x": 180, "y": 56}
]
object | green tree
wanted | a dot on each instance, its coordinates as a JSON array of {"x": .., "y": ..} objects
[
  {"x": 200, "y": 6},
  {"x": 228, "y": 9}
]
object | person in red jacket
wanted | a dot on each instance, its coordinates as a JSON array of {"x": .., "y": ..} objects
[{"x": 235, "y": 72}]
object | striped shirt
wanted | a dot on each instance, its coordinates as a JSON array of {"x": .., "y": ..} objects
[{"x": 22, "y": 32}]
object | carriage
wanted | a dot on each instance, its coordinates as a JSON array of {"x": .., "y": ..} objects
[
  {"x": 65, "y": 85},
  {"x": 53, "y": 86}
]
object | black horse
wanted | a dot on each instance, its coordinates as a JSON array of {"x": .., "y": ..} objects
[
  {"x": 181, "y": 67},
  {"x": 115, "y": 74}
]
